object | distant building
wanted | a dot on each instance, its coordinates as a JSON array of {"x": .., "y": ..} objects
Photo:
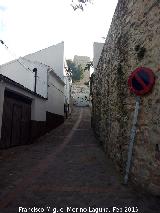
[
  {"x": 83, "y": 60},
  {"x": 97, "y": 50},
  {"x": 80, "y": 89}
]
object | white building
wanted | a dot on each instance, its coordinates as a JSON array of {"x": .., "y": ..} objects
[
  {"x": 21, "y": 71},
  {"x": 26, "y": 113},
  {"x": 53, "y": 56},
  {"x": 97, "y": 50}
]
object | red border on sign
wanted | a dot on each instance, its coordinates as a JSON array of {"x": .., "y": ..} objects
[{"x": 146, "y": 88}]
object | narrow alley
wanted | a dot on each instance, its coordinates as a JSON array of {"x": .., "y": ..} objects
[{"x": 66, "y": 171}]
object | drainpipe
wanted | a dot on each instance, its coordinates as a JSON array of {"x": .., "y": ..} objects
[
  {"x": 35, "y": 76},
  {"x": 48, "y": 80}
]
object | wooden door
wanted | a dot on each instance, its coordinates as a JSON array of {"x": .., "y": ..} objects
[
  {"x": 16, "y": 125},
  {"x": 16, "y": 120},
  {"x": 6, "y": 124},
  {"x": 25, "y": 123}
]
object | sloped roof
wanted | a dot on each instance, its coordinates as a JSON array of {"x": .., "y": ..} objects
[
  {"x": 35, "y": 62},
  {"x": 10, "y": 81}
]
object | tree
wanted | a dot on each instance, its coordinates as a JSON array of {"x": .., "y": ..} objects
[
  {"x": 80, "y": 4},
  {"x": 88, "y": 65},
  {"x": 76, "y": 72}
]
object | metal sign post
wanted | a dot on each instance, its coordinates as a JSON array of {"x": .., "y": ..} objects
[
  {"x": 132, "y": 137},
  {"x": 140, "y": 83}
]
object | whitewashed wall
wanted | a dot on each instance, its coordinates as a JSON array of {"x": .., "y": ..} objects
[
  {"x": 97, "y": 49},
  {"x": 52, "y": 56},
  {"x": 20, "y": 74},
  {"x": 55, "y": 102}
]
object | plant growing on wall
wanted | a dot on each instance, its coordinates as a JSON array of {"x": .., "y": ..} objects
[{"x": 88, "y": 65}]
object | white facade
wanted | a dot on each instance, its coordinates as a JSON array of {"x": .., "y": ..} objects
[
  {"x": 55, "y": 102},
  {"x": 52, "y": 80},
  {"x": 97, "y": 50},
  {"x": 39, "y": 107},
  {"x": 20, "y": 71},
  {"x": 49, "y": 85},
  {"x": 52, "y": 56},
  {"x": 46, "y": 100}
]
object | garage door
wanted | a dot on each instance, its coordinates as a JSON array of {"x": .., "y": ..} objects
[{"x": 16, "y": 120}]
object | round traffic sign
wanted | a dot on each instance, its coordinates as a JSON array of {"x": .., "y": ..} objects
[{"x": 141, "y": 80}]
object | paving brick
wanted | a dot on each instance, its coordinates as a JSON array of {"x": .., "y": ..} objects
[{"x": 71, "y": 172}]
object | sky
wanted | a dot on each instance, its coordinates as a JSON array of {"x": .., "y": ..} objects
[{"x": 27, "y": 26}]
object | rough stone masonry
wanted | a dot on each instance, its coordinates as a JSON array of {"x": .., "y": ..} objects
[{"x": 133, "y": 40}]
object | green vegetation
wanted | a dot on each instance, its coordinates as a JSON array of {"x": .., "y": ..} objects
[
  {"x": 76, "y": 72},
  {"x": 88, "y": 65},
  {"x": 80, "y": 4}
]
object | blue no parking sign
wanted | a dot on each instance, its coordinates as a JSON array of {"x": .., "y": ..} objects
[{"x": 141, "y": 81}]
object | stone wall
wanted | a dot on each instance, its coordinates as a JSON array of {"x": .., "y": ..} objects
[{"x": 133, "y": 40}]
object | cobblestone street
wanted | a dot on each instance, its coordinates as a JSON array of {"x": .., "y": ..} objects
[{"x": 66, "y": 171}]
